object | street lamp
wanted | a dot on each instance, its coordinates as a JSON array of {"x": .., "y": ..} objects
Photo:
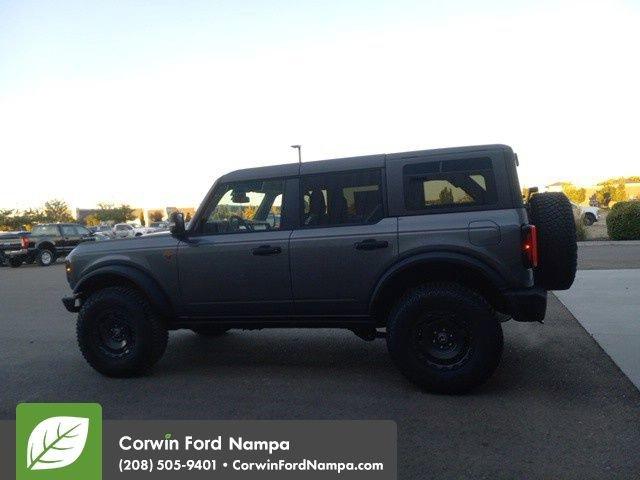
[{"x": 299, "y": 147}]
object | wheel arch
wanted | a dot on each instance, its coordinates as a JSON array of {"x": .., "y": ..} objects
[
  {"x": 48, "y": 246},
  {"x": 112, "y": 275},
  {"x": 420, "y": 268}
]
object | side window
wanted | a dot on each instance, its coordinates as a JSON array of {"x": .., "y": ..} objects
[
  {"x": 348, "y": 198},
  {"x": 449, "y": 184},
  {"x": 68, "y": 230},
  {"x": 243, "y": 207},
  {"x": 50, "y": 230},
  {"x": 82, "y": 231}
]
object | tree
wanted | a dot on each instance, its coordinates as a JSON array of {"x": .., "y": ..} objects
[
  {"x": 107, "y": 212},
  {"x": 5, "y": 218},
  {"x": 155, "y": 215},
  {"x": 611, "y": 192},
  {"x": 446, "y": 196},
  {"x": 91, "y": 220},
  {"x": 57, "y": 211},
  {"x": 575, "y": 194}
]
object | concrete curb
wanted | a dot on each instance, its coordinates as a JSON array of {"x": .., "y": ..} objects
[{"x": 608, "y": 243}]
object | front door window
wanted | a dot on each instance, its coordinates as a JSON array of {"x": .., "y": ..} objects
[{"x": 243, "y": 207}]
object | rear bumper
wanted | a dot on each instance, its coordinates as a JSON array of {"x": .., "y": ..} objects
[
  {"x": 527, "y": 304},
  {"x": 15, "y": 253}
]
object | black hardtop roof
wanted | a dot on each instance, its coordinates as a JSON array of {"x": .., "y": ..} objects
[
  {"x": 61, "y": 223},
  {"x": 345, "y": 164}
]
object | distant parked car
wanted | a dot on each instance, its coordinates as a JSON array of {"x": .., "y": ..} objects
[
  {"x": 46, "y": 242},
  {"x": 123, "y": 230},
  {"x": 127, "y": 230},
  {"x": 160, "y": 226},
  {"x": 588, "y": 215},
  {"x": 11, "y": 242},
  {"x": 104, "y": 229}
]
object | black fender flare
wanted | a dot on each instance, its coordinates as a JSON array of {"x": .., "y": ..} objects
[
  {"x": 48, "y": 245},
  {"x": 454, "y": 258},
  {"x": 150, "y": 288}
]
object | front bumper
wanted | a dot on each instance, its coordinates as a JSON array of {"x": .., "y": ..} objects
[
  {"x": 527, "y": 304},
  {"x": 72, "y": 303}
]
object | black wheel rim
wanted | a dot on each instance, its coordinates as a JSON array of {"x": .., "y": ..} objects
[
  {"x": 113, "y": 334},
  {"x": 442, "y": 339}
]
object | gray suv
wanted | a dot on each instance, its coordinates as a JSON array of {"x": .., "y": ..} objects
[{"x": 429, "y": 249}]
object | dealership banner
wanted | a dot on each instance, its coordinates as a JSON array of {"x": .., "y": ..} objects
[{"x": 71, "y": 441}]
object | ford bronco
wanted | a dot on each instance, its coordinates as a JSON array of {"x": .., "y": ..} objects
[{"x": 431, "y": 250}]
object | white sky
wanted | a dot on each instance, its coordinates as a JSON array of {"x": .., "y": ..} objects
[{"x": 154, "y": 106}]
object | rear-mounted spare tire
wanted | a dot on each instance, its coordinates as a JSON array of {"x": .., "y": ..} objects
[{"x": 552, "y": 215}]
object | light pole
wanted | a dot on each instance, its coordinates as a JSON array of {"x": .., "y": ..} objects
[{"x": 299, "y": 147}]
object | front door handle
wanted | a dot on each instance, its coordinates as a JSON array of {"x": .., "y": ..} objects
[
  {"x": 371, "y": 244},
  {"x": 266, "y": 250}
]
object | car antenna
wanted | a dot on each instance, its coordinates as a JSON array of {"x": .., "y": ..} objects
[{"x": 299, "y": 148}]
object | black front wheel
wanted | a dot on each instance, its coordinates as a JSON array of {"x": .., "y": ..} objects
[
  {"x": 118, "y": 332},
  {"x": 445, "y": 338}
]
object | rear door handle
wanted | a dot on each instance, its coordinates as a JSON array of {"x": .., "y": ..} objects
[
  {"x": 371, "y": 244},
  {"x": 266, "y": 250}
]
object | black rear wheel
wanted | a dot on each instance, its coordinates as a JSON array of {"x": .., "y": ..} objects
[
  {"x": 15, "y": 262},
  {"x": 444, "y": 338},
  {"x": 118, "y": 332},
  {"x": 46, "y": 257}
]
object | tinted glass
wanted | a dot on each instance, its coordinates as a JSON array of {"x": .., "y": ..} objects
[
  {"x": 244, "y": 207},
  {"x": 69, "y": 230},
  {"x": 449, "y": 184},
  {"x": 342, "y": 198},
  {"x": 45, "y": 230}
]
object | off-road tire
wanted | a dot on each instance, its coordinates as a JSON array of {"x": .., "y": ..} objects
[
  {"x": 15, "y": 262},
  {"x": 448, "y": 300},
  {"x": 147, "y": 330},
  {"x": 552, "y": 215},
  {"x": 41, "y": 256},
  {"x": 210, "y": 330}
]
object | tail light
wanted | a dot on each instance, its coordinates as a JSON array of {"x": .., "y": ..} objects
[
  {"x": 24, "y": 242},
  {"x": 530, "y": 246}
]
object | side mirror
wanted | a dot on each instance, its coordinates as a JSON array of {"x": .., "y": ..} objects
[{"x": 178, "y": 229}]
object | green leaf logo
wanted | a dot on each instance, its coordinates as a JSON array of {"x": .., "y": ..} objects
[{"x": 56, "y": 442}]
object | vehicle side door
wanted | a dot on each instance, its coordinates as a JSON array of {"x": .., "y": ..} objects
[
  {"x": 235, "y": 261},
  {"x": 344, "y": 244},
  {"x": 69, "y": 238}
]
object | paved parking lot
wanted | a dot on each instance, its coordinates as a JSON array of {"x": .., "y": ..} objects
[{"x": 557, "y": 407}]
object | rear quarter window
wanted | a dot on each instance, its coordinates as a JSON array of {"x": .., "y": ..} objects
[
  {"x": 464, "y": 184},
  {"x": 45, "y": 230}
]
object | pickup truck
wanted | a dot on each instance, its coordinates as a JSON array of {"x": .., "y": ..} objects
[
  {"x": 47, "y": 242},
  {"x": 11, "y": 242}
]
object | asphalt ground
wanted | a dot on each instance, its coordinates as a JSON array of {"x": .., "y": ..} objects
[{"x": 557, "y": 407}]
